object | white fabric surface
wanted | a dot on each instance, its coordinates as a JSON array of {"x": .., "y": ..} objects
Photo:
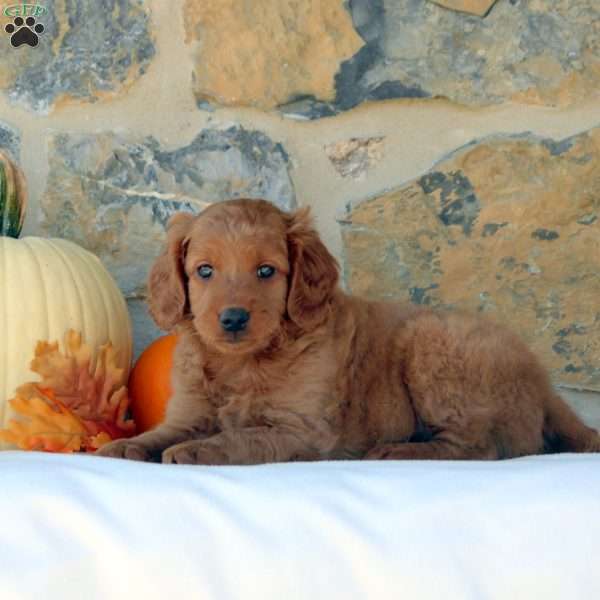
[{"x": 81, "y": 528}]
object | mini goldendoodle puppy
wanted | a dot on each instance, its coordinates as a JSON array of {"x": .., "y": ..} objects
[{"x": 275, "y": 363}]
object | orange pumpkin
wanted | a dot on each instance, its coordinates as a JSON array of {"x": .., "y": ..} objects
[{"x": 150, "y": 383}]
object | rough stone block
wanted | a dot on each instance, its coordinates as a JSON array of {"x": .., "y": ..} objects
[
  {"x": 508, "y": 226},
  {"x": 269, "y": 52},
  {"x": 114, "y": 195},
  {"x": 354, "y": 157},
  {"x": 87, "y": 50},
  {"x": 538, "y": 52}
]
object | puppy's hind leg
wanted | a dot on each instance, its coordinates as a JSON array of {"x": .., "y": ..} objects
[{"x": 445, "y": 445}]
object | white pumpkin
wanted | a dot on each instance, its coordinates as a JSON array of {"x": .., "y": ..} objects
[{"x": 48, "y": 286}]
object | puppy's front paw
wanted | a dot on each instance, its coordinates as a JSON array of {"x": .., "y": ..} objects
[
  {"x": 195, "y": 452},
  {"x": 125, "y": 449}
]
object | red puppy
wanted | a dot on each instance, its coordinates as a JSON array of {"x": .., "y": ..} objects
[{"x": 276, "y": 363}]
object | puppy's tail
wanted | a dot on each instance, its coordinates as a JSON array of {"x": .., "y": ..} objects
[{"x": 564, "y": 431}]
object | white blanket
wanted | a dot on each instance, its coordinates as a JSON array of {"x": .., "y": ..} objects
[{"x": 86, "y": 528}]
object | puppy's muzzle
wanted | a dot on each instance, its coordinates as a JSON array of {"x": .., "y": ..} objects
[{"x": 234, "y": 319}]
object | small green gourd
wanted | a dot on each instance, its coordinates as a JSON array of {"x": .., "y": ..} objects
[{"x": 13, "y": 197}]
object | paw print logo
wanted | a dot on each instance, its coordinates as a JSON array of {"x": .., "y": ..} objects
[{"x": 24, "y": 32}]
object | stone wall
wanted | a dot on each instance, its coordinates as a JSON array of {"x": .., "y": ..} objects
[{"x": 450, "y": 149}]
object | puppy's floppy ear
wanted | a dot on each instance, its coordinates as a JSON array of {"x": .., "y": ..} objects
[
  {"x": 314, "y": 272},
  {"x": 167, "y": 283}
]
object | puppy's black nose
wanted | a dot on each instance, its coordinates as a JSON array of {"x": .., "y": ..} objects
[{"x": 234, "y": 319}]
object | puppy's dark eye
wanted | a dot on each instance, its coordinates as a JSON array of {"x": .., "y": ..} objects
[
  {"x": 205, "y": 271},
  {"x": 265, "y": 271}
]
